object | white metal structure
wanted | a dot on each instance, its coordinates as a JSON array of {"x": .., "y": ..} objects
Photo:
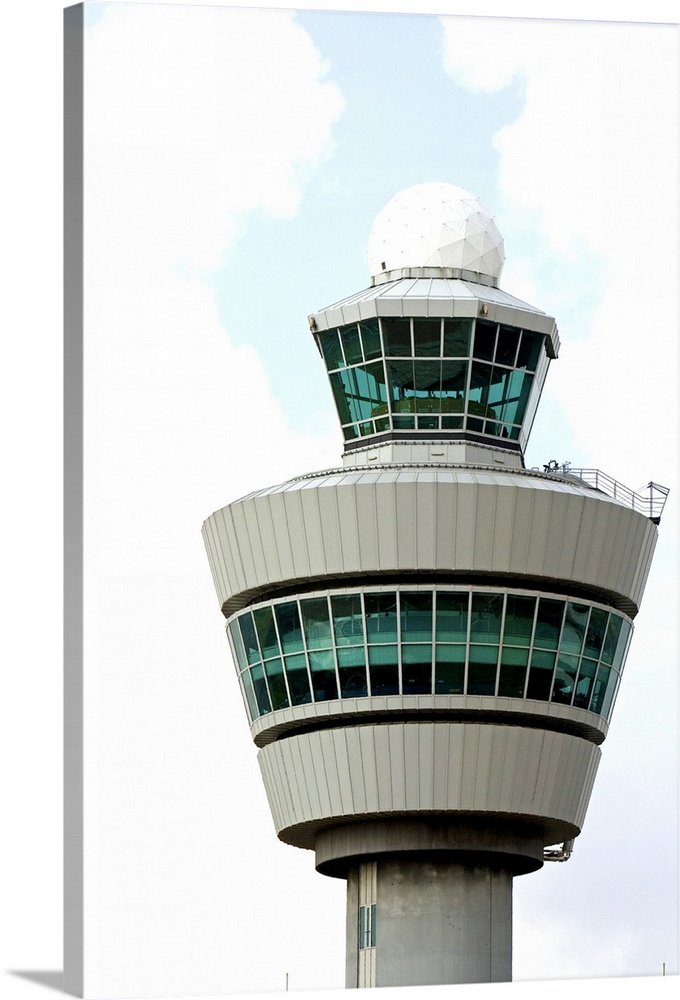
[{"x": 430, "y": 639}]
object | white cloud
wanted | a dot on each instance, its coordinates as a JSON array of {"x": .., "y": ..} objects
[
  {"x": 588, "y": 172},
  {"x": 195, "y": 122},
  {"x": 192, "y": 124}
]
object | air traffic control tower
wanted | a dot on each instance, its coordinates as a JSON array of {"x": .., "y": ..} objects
[{"x": 429, "y": 639}]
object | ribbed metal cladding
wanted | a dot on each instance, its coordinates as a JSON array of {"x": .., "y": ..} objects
[
  {"x": 348, "y": 774},
  {"x": 438, "y": 520}
]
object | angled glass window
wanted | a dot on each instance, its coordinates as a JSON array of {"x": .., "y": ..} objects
[
  {"x": 381, "y": 617},
  {"x": 352, "y": 672},
  {"x": 457, "y": 333},
  {"x": 529, "y": 350},
  {"x": 260, "y": 689},
  {"x": 487, "y": 614},
  {"x": 508, "y": 342},
  {"x": 454, "y": 381},
  {"x": 351, "y": 343},
  {"x": 324, "y": 680},
  {"x": 427, "y": 338},
  {"x": 564, "y": 683},
  {"x": 597, "y": 626},
  {"x": 427, "y": 385},
  {"x": 541, "y": 674},
  {"x": 519, "y": 620},
  {"x": 245, "y": 623},
  {"x": 548, "y": 623},
  {"x": 485, "y": 340},
  {"x": 610, "y": 691},
  {"x": 604, "y": 673},
  {"x": 416, "y": 668},
  {"x": 348, "y": 619},
  {"x": 384, "y": 669},
  {"x": 584, "y": 684},
  {"x": 478, "y": 397},
  {"x": 575, "y": 627},
  {"x": 622, "y": 644},
  {"x": 340, "y": 389},
  {"x": 249, "y": 696},
  {"x": 276, "y": 684},
  {"x": 266, "y": 632},
  {"x": 316, "y": 622},
  {"x": 289, "y": 626},
  {"x": 241, "y": 660},
  {"x": 416, "y": 616},
  {"x": 452, "y": 617},
  {"x": 397, "y": 337},
  {"x": 331, "y": 350},
  {"x": 449, "y": 669},
  {"x": 611, "y": 638},
  {"x": 370, "y": 338},
  {"x": 298, "y": 679},
  {"x": 513, "y": 672},
  {"x": 400, "y": 385},
  {"x": 482, "y": 669}
]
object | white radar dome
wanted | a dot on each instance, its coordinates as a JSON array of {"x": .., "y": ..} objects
[{"x": 436, "y": 225}]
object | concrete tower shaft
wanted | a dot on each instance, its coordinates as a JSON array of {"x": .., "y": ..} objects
[{"x": 430, "y": 639}]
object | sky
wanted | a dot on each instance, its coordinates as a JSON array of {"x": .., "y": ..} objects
[{"x": 235, "y": 161}]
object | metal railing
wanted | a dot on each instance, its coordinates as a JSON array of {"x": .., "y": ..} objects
[
  {"x": 559, "y": 853},
  {"x": 648, "y": 500}
]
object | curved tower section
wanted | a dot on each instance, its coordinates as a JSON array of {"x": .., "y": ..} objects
[{"x": 429, "y": 639}]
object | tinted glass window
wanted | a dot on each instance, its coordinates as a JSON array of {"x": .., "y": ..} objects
[
  {"x": 352, "y": 344},
  {"x": 331, "y": 350},
  {"x": 416, "y": 668},
  {"x": 384, "y": 669},
  {"x": 508, "y": 341},
  {"x": 290, "y": 629},
  {"x": 427, "y": 337},
  {"x": 397, "y": 337},
  {"x": 381, "y": 617},
  {"x": 487, "y": 611},
  {"x": 529, "y": 350},
  {"x": 316, "y": 622},
  {"x": 416, "y": 616},
  {"x": 352, "y": 673},
  {"x": 452, "y": 617},
  {"x": 298, "y": 679},
  {"x": 370, "y": 338},
  {"x": 485, "y": 340},
  {"x": 457, "y": 338}
]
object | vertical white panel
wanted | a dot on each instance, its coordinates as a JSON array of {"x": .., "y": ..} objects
[
  {"x": 502, "y": 529},
  {"x": 356, "y": 769},
  {"x": 314, "y": 535},
  {"x": 521, "y": 529},
  {"x": 413, "y": 766},
  {"x": 406, "y": 521},
  {"x": 466, "y": 526},
  {"x": 282, "y": 539},
  {"x": 330, "y": 526},
  {"x": 369, "y": 770},
  {"x": 366, "y": 501},
  {"x": 485, "y": 517},
  {"x": 349, "y": 529},
  {"x": 425, "y": 523},
  {"x": 442, "y": 762}
]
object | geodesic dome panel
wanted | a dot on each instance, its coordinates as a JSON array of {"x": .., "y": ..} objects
[{"x": 436, "y": 225}]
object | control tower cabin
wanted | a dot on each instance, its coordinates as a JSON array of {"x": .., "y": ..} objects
[{"x": 429, "y": 640}]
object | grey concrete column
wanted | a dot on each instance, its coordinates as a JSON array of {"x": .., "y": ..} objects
[{"x": 436, "y": 922}]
